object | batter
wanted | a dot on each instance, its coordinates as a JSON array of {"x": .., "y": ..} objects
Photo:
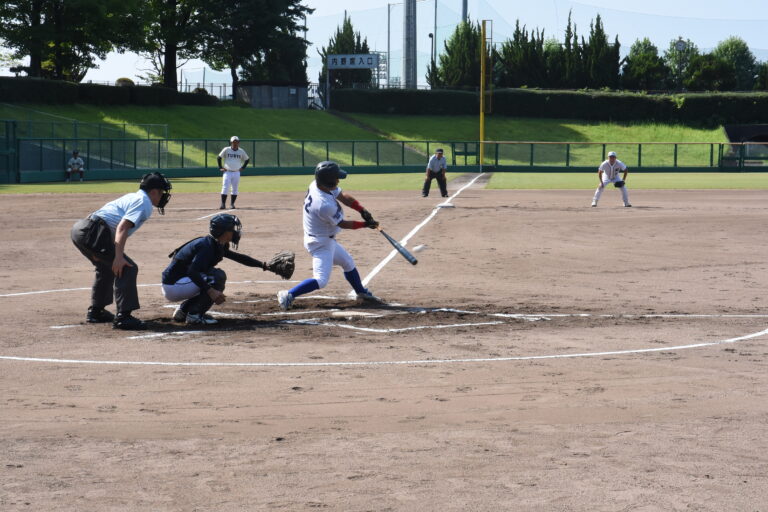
[{"x": 323, "y": 220}]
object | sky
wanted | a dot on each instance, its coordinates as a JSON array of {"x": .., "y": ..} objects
[{"x": 705, "y": 22}]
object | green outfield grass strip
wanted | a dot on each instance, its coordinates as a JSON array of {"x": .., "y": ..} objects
[
  {"x": 413, "y": 181},
  {"x": 638, "y": 180}
]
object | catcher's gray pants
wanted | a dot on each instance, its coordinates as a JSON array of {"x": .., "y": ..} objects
[
  {"x": 94, "y": 239},
  {"x": 599, "y": 191},
  {"x": 195, "y": 302}
]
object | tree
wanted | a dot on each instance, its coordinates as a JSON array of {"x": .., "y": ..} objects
[
  {"x": 459, "y": 64},
  {"x": 521, "y": 61},
  {"x": 643, "y": 68},
  {"x": 63, "y": 38},
  {"x": 258, "y": 37},
  {"x": 173, "y": 30},
  {"x": 678, "y": 60},
  {"x": 345, "y": 41},
  {"x": 736, "y": 51},
  {"x": 761, "y": 82},
  {"x": 710, "y": 73},
  {"x": 601, "y": 60}
]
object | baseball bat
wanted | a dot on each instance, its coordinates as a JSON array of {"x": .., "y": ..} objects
[{"x": 399, "y": 248}]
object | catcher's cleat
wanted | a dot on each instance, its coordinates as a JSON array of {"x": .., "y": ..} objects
[
  {"x": 128, "y": 322},
  {"x": 99, "y": 316},
  {"x": 179, "y": 315},
  {"x": 193, "y": 319},
  {"x": 368, "y": 296},
  {"x": 627, "y": 205},
  {"x": 284, "y": 299}
]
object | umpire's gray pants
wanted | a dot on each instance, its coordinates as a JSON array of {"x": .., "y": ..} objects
[{"x": 94, "y": 239}]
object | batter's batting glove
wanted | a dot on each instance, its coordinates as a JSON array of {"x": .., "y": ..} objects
[{"x": 368, "y": 218}]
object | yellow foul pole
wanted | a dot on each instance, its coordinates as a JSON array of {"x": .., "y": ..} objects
[{"x": 482, "y": 96}]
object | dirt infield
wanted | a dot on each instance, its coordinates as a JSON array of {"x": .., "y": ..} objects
[{"x": 543, "y": 355}]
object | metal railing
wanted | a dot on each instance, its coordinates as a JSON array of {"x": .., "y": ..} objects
[{"x": 43, "y": 154}]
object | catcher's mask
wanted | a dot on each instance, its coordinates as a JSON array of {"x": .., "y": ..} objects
[
  {"x": 326, "y": 173},
  {"x": 158, "y": 181},
  {"x": 224, "y": 222}
]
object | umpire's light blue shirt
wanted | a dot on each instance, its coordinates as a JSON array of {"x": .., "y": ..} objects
[
  {"x": 136, "y": 207},
  {"x": 436, "y": 163}
]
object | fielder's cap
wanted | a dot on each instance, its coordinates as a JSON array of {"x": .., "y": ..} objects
[
  {"x": 75, "y": 152},
  {"x": 234, "y": 138},
  {"x": 612, "y": 153},
  {"x": 439, "y": 150}
]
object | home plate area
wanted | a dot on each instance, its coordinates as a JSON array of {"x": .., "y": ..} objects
[{"x": 483, "y": 329}]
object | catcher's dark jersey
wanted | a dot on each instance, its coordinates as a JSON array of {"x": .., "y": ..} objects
[{"x": 196, "y": 258}]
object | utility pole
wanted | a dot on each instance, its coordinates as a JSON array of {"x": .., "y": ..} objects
[
  {"x": 464, "y": 10},
  {"x": 409, "y": 44}
]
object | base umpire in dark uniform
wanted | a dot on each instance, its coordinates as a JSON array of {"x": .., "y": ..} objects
[{"x": 436, "y": 171}]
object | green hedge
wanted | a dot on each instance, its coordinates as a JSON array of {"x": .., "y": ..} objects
[
  {"x": 710, "y": 109},
  {"x": 34, "y": 90},
  {"x": 37, "y": 90},
  {"x": 103, "y": 94}
]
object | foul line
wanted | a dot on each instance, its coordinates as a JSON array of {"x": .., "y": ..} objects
[
  {"x": 212, "y": 214},
  {"x": 20, "y": 294},
  {"x": 415, "y": 230},
  {"x": 403, "y": 362}
]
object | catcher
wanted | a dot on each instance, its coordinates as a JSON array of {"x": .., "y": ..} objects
[{"x": 192, "y": 276}]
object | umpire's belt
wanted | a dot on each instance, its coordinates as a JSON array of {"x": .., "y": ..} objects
[{"x": 95, "y": 219}]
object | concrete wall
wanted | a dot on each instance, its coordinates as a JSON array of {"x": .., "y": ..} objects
[{"x": 269, "y": 96}]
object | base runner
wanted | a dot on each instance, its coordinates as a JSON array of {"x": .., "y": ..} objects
[{"x": 323, "y": 220}]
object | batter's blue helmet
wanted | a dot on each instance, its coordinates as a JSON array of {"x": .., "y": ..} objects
[{"x": 326, "y": 173}]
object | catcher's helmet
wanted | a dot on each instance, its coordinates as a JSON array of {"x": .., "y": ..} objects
[
  {"x": 326, "y": 173},
  {"x": 224, "y": 222},
  {"x": 157, "y": 180}
]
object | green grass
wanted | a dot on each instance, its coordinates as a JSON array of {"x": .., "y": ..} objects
[
  {"x": 187, "y": 122},
  {"x": 410, "y": 181},
  {"x": 680, "y": 181},
  {"x": 413, "y": 181},
  {"x": 535, "y": 129}
]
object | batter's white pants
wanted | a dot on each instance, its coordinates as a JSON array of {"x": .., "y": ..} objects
[
  {"x": 327, "y": 252},
  {"x": 599, "y": 191},
  {"x": 230, "y": 178}
]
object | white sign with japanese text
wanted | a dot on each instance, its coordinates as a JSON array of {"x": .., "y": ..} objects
[{"x": 353, "y": 61}]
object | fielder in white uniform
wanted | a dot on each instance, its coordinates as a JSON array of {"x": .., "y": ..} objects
[
  {"x": 323, "y": 220},
  {"x": 235, "y": 160},
  {"x": 608, "y": 172}
]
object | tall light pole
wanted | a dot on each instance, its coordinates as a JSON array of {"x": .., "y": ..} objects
[
  {"x": 434, "y": 32},
  {"x": 389, "y": 61},
  {"x": 409, "y": 44},
  {"x": 464, "y": 11},
  {"x": 680, "y": 46}
]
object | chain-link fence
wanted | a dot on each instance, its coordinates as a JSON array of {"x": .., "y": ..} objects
[{"x": 36, "y": 154}]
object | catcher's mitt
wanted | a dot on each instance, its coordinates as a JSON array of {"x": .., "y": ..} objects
[
  {"x": 619, "y": 184},
  {"x": 282, "y": 264}
]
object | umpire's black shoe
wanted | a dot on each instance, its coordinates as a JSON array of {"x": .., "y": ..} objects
[
  {"x": 127, "y": 322},
  {"x": 99, "y": 316}
]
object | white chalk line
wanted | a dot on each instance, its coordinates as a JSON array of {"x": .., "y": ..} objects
[
  {"x": 367, "y": 279},
  {"x": 393, "y": 363},
  {"x": 61, "y": 290},
  {"x": 215, "y": 213},
  {"x": 313, "y": 321}
]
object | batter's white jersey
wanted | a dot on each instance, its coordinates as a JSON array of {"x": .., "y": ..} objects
[
  {"x": 233, "y": 159},
  {"x": 611, "y": 172},
  {"x": 322, "y": 212}
]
